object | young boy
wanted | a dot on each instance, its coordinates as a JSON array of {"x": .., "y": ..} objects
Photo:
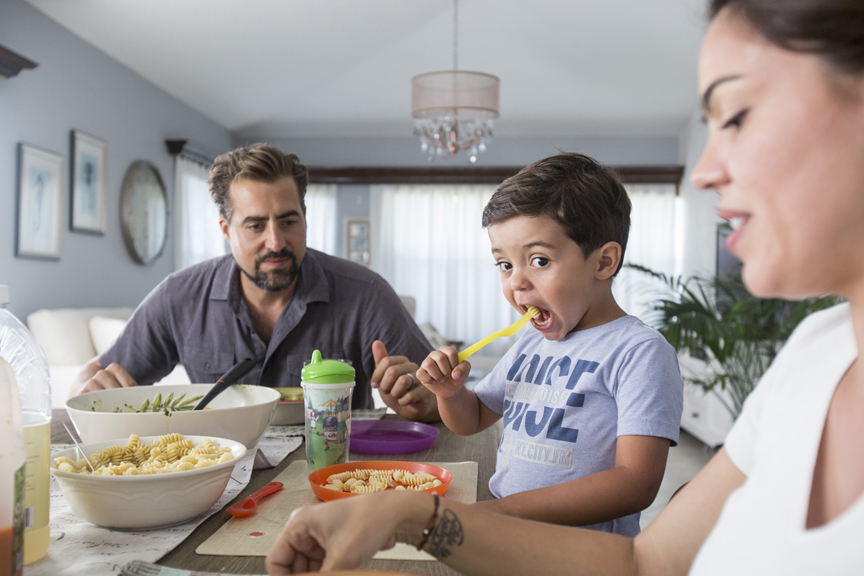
[{"x": 591, "y": 397}]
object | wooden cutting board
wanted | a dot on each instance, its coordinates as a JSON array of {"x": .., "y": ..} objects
[{"x": 254, "y": 535}]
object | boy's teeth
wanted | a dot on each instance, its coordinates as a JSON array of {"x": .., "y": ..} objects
[{"x": 737, "y": 222}]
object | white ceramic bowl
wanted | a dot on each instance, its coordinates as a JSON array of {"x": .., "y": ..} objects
[
  {"x": 241, "y": 413},
  {"x": 289, "y": 412},
  {"x": 291, "y": 409},
  {"x": 148, "y": 500}
]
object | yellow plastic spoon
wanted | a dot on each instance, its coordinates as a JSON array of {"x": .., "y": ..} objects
[{"x": 532, "y": 312}]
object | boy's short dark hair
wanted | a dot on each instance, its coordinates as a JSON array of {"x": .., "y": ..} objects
[{"x": 584, "y": 196}]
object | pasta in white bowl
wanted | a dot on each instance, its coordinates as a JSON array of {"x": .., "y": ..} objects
[{"x": 160, "y": 495}]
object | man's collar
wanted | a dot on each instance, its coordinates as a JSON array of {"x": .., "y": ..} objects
[
  {"x": 226, "y": 271},
  {"x": 312, "y": 285}
]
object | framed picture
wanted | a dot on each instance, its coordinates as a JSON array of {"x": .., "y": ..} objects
[
  {"x": 87, "y": 206},
  {"x": 40, "y": 180},
  {"x": 357, "y": 240}
]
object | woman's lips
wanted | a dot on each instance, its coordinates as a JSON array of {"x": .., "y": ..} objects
[
  {"x": 738, "y": 221},
  {"x": 739, "y": 225}
]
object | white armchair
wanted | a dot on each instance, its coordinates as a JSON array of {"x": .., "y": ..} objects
[{"x": 71, "y": 337}]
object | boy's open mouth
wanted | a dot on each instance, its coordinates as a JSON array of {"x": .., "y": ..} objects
[{"x": 543, "y": 320}]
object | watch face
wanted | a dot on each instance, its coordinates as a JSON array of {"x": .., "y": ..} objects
[{"x": 144, "y": 211}]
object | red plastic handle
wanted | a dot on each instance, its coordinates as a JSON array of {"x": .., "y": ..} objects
[{"x": 266, "y": 490}]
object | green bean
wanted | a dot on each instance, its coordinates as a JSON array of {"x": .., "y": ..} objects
[
  {"x": 170, "y": 404},
  {"x": 177, "y": 401},
  {"x": 193, "y": 399}
]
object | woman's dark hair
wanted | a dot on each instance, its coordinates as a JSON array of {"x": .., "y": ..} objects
[
  {"x": 581, "y": 194},
  {"x": 830, "y": 29}
]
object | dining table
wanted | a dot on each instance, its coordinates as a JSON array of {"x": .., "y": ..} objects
[{"x": 448, "y": 447}]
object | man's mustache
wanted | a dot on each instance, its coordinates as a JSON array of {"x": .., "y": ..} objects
[{"x": 274, "y": 255}]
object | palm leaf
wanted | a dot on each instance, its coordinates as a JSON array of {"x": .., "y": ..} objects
[{"x": 739, "y": 340}]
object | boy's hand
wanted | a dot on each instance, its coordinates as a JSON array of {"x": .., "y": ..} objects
[{"x": 442, "y": 373}]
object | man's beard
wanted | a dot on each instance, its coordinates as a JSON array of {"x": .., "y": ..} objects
[{"x": 275, "y": 280}]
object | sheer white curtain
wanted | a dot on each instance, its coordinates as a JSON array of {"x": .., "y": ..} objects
[
  {"x": 427, "y": 243},
  {"x": 321, "y": 217},
  {"x": 655, "y": 235},
  {"x": 196, "y": 218}
]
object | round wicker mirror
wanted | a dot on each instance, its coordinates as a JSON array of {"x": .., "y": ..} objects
[{"x": 144, "y": 212}]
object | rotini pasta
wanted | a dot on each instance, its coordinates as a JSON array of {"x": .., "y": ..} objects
[
  {"x": 168, "y": 453},
  {"x": 365, "y": 481}
]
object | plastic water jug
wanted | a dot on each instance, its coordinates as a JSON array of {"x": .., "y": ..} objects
[
  {"x": 11, "y": 475},
  {"x": 21, "y": 350}
]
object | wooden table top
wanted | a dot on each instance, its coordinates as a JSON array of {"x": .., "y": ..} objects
[{"x": 449, "y": 447}]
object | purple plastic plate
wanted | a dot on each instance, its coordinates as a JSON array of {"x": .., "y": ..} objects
[{"x": 391, "y": 436}]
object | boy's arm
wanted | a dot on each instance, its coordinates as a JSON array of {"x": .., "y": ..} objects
[
  {"x": 464, "y": 413},
  {"x": 629, "y": 487}
]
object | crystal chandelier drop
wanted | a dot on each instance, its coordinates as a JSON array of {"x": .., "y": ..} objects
[{"x": 453, "y": 110}]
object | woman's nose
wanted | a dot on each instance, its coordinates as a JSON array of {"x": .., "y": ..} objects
[{"x": 709, "y": 173}]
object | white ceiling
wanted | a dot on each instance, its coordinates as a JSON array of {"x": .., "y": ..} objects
[{"x": 298, "y": 68}]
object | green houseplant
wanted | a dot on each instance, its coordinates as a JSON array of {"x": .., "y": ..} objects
[{"x": 720, "y": 322}]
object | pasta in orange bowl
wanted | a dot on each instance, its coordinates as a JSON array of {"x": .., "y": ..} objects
[{"x": 353, "y": 478}]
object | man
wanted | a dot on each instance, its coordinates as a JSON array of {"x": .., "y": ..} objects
[{"x": 271, "y": 299}]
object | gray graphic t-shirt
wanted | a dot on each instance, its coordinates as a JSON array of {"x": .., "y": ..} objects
[{"x": 566, "y": 402}]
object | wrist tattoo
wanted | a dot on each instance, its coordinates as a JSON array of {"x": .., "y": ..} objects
[{"x": 447, "y": 534}]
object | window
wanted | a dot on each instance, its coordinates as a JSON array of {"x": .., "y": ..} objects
[
  {"x": 427, "y": 243},
  {"x": 196, "y": 220},
  {"x": 655, "y": 237},
  {"x": 321, "y": 218}
]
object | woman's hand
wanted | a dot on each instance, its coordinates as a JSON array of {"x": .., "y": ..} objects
[{"x": 345, "y": 533}]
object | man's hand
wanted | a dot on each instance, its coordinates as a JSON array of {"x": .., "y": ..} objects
[
  {"x": 93, "y": 378},
  {"x": 442, "y": 373},
  {"x": 394, "y": 378}
]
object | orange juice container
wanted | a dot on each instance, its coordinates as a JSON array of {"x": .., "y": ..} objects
[{"x": 13, "y": 457}]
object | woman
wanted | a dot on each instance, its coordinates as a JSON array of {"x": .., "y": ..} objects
[{"x": 782, "y": 86}]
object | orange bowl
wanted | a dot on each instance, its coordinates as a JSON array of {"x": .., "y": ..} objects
[{"x": 318, "y": 478}]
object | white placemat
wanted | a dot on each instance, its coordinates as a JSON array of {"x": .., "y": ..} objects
[
  {"x": 78, "y": 547},
  {"x": 138, "y": 568}
]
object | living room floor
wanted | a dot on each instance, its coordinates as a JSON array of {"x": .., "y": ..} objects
[{"x": 683, "y": 463}]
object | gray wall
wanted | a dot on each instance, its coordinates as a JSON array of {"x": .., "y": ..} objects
[
  {"x": 78, "y": 87},
  {"x": 614, "y": 150},
  {"x": 405, "y": 152}
]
